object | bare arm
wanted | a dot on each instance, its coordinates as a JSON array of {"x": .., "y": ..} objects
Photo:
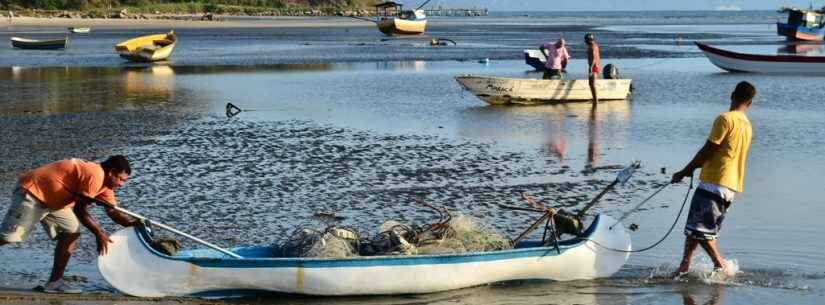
[
  {"x": 119, "y": 217},
  {"x": 701, "y": 156},
  {"x": 81, "y": 209}
]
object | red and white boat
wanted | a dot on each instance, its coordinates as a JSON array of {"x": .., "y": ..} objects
[{"x": 757, "y": 63}]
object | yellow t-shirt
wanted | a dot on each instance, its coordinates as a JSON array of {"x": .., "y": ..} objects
[{"x": 726, "y": 167}]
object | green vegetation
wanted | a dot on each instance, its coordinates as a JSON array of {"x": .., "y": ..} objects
[{"x": 188, "y": 6}]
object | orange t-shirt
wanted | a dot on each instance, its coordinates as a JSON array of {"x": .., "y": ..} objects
[{"x": 54, "y": 183}]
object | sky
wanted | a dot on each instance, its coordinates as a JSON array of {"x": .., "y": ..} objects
[{"x": 610, "y": 5}]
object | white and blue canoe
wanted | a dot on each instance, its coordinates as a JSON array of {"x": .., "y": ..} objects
[{"x": 135, "y": 268}]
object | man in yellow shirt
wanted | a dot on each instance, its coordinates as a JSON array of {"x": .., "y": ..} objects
[{"x": 722, "y": 160}]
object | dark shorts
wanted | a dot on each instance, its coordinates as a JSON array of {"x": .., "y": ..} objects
[
  {"x": 553, "y": 74},
  {"x": 707, "y": 211}
]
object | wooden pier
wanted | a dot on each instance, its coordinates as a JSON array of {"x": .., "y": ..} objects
[{"x": 455, "y": 12}]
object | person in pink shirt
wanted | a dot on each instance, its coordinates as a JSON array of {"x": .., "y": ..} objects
[{"x": 557, "y": 57}]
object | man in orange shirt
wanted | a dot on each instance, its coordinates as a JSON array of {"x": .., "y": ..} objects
[
  {"x": 722, "y": 160},
  {"x": 58, "y": 196}
]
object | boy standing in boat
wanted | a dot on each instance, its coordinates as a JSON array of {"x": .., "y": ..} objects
[
  {"x": 593, "y": 67},
  {"x": 557, "y": 57},
  {"x": 722, "y": 160},
  {"x": 58, "y": 195}
]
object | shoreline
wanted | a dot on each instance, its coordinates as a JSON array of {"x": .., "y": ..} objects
[
  {"x": 232, "y": 22},
  {"x": 17, "y": 296}
]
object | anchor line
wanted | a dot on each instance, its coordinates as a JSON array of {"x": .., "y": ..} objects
[{"x": 675, "y": 221}]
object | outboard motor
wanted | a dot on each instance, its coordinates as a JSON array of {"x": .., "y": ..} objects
[{"x": 610, "y": 72}]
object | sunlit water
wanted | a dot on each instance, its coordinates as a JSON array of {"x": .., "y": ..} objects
[{"x": 359, "y": 137}]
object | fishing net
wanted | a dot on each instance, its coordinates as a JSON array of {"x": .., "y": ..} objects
[
  {"x": 452, "y": 235},
  {"x": 393, "y": 238},
  {"x": 331, "y": 243},
  {"x": 464, "y": 235}
]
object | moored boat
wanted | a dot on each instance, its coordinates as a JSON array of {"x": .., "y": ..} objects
[
  {"x": 757, "y": 63},
  {"x": 35, "y": 44},
  {"x": 80, "y": 30},
  {"x": 802, "y": 25},
  {"x": 148, "y": 48},
  {"x": 505, "y": 90},
  {"x": 134, "y": 267},
  {"x": 535, "y": 59},
  {"x": 396, "y": 21}
]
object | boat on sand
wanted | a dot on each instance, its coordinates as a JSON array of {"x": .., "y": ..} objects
[
  {"x": 80, "y": 30},
  {"x": 535, "y": 59},
  {"x": 396, "y": 21},
  {"x": 757, "y": 63},
  {"x": 148, "y": 48},
  {"x": 505, "y": 90},
  {"x": 135, "y": 268},
  {"x": 35, "y": 44},
  {"x": 806, "y": 25}
]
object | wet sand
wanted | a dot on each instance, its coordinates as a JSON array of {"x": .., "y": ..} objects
[{"x": 300, "y": 150}]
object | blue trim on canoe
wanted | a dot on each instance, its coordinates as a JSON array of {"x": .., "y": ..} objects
[{"x": 373, "y": 261}]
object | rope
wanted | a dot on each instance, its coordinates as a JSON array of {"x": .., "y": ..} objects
[
  {"x": 634, "y": 209},
  {"x": 676, "y": 48},
  {"x": 675, "y": 221}
]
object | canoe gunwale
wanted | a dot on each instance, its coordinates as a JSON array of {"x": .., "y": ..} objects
[{"x": 366, "y": 261}]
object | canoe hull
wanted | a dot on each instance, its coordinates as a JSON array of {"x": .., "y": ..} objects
[
  {"x": 135, "y": 269},
  {"x": 146, "y": 48},
  {"x": 398, "y": 26},
  {"x": 769, "y": 64},
  {"x": 502, "y": 90},
  {"x": 31, "y": 44}
]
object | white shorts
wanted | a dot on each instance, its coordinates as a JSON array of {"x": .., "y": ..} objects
[{"x": 25, "y": 211}]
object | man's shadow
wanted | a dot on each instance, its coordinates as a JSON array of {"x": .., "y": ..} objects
[{"x": 714, "y": 297}]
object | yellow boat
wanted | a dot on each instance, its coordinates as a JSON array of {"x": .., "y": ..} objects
[
  {"x": 148, "y": 48},
  {"x": 398, "y": 26},
  {"x": 396, "y": 21}
]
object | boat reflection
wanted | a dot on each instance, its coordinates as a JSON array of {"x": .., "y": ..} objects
[
  {"x": 55, "y": 90},
  {"x": 414, "y": 65},
  {"x": 158, "y": 80},
  {"x": 556, "y": 129},
  {"x": 800, "y": 49}
]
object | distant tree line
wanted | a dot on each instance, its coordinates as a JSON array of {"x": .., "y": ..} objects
[{"x": 88, "y": 4}]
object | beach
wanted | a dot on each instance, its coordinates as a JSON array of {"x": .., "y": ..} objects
[{"x": 341, "y": 119}]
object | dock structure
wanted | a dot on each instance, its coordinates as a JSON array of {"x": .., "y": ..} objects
[{"x": 455, "y": 12}]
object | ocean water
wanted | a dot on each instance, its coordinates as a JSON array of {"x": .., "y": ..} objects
[{"x": 343, "y": 120}]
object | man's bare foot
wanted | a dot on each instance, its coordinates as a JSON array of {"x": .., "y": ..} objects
[
  {"x": 677, "y": 275},
  {"x": 722, "y": 273}
]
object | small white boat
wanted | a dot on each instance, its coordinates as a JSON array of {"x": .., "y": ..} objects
[
  {"x": 135, "y": 268},
  {"x": 756, "y": 63},
  {"x": 504, "y": 90},
  {"x": 535, "y": 59},
  {"x": 80, "y": 30}
]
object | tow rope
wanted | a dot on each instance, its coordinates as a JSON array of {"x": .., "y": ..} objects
[{"x": 675, "y": 221}]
